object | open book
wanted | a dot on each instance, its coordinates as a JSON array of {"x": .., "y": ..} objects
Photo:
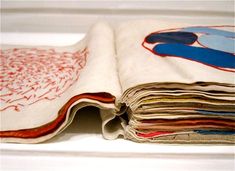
[{"x": 152, "y": 81}]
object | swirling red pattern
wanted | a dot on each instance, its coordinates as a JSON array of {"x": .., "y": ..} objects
[{"x": 30, "y": 75}]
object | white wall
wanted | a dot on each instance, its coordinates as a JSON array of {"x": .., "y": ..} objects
[{"x": 77, "y": 16}]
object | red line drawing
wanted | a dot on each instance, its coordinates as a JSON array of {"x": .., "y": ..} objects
[{"x": 30, "y": 75}]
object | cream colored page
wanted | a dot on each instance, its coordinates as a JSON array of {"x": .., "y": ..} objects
[
  {"x": 137, "y": 65},
  {"x": 100, "y": 73},
  {"x": 94, "y": 70}
]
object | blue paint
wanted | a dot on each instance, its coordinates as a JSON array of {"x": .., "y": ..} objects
[
  {"x": 218, "y": 43},
  {"x": 218, "y": 132},
  {"x": 207, "y": 112},
  {"x": 207, "y": 30},
  {"x": 203, "y": 55},
  {"x": 172, "y": 37}
]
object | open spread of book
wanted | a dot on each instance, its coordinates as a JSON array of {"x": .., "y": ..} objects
[{"x": 152, "y": 81}]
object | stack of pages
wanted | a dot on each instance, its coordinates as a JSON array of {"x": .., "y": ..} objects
[{"x": 152, "y": 81}]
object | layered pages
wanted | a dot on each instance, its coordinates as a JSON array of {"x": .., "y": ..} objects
[{"x": 152, "y": 81}]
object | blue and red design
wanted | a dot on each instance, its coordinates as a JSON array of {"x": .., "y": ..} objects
[{"x": 212, "y": 46}]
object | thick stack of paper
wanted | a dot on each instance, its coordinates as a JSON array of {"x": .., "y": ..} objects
[
  {"x": 194, "y": 112},
  {"x": 185, "y": 82}
]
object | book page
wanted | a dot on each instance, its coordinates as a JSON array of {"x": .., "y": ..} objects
[
  {"x": 41, "y": 85},
  {"x": 139, "y": 63}
]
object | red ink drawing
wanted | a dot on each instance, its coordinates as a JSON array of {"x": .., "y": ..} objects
[{"x": 29, "y": 75}]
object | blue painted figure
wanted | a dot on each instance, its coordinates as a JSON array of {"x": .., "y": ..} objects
[{"x": 217, "y": 47}]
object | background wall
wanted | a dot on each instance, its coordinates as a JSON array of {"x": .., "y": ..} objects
[{"x": 76, "y": 16}]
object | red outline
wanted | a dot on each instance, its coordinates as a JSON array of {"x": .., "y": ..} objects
[{"x": 165, "y": 30}]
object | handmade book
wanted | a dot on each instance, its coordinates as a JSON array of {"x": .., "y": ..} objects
[{"x": 152, "y": 82}]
